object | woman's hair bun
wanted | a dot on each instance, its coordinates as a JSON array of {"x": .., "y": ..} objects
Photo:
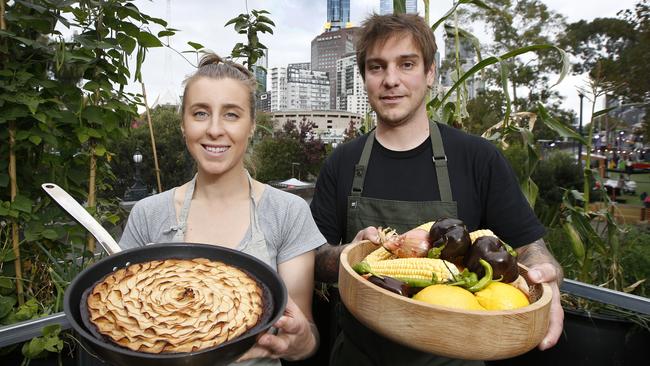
[{"x": 210, "y": 59}]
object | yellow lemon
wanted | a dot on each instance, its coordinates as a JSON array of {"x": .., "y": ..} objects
[
  {"x": 449, "y": 296},
  {"x": 501, "y": 296}
]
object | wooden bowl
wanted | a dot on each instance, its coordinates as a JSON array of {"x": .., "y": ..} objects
[{"x": 464, "y": 334}]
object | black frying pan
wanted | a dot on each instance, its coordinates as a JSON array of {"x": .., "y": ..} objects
[{"x": 275, "y": 293}]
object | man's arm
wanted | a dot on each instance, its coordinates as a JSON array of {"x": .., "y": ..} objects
[
  {"x": 327, "y": 263},
  {"x": 543, "y": 268},
  {"x": 536, "y": 253}
]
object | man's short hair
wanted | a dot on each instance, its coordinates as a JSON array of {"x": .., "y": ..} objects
[{"x": 377, "y": 29}]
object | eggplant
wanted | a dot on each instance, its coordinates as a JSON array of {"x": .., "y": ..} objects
[
  {"x": 440, "y": 227},
  {"x": 391, "y": 284},
  {"x": 498, "y": 254},
  {"x": 449, "y": 239}
]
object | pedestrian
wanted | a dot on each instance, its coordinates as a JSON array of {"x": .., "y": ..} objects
[{"x": 409, "y": 171}]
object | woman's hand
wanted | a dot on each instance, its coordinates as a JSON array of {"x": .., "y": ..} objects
[{"x": 295, "y": 339}]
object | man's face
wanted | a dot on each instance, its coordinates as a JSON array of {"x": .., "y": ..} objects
[{"x": 396, "y": 80}]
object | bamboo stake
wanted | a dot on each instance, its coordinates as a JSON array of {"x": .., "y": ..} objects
[
  {"x": 153, "y": 140},
  {"x": 90, "y": 240},
  {"x": 14, "y": 188}
]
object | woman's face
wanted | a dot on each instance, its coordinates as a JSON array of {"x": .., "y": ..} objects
[{"x": 217, "y": 123}]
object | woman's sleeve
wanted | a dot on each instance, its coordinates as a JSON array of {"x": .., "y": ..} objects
[
  {"x": 135, "y": 232},
  {"x": 299, "y": 231}
]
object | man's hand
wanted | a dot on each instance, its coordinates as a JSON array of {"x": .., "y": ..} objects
[
  {"x": 295, "y": 339},
  {"x": 543, "y": 268},
  {"x": 370, "y": 233}
]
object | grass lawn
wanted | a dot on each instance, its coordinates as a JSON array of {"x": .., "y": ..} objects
[{"x": 642, "y": 185}]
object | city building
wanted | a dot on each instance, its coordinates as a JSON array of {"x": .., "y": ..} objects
[
  {"x": 294, "y": 88},
  {"x": 263, "y": 102},
  {"x": 330, "y": 124},
  {"x": 386, "y": 7},
  {"x": 338, "y": 15},
  {"x": 466, "y": 58},
  {"x": 351, "y": 94},
  {"x": 326, "y": 49},
  {"x": 260, "y": 70}
]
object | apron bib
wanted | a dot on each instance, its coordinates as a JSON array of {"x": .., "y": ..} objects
[
  {"x": 356, "y": 344},
  {"x": 256, "y": 247}
]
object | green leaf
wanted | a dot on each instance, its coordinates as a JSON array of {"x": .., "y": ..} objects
[
  {"x": 6, "y": 305},
  {"x": 35, "y": 139},
  {"x": 558, "y": 126},
  {"x": 146, "y": 39},
  {"x": 451, "y": 11},
  {"x": 263, "y": 19},
  {"x": 196, "y": 46},
  {"x": 82, "y": 136},
  {"x": 22, "y": 203},
  {"x": 100, "y": 150},
  {"x": 50, "y": 234},
  {"x": 93, "y": 113},
  {"x": 7, "y": 283},
  {"x": 127, "y": 43},
  {"x": 607, "y": 110},
  {"x": 166, "y": 33},
  {"x": 435, "y": 104},
  {"x": 7, "y": 255}
]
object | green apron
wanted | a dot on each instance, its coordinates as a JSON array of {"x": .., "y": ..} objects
[{"x": 356, "y": 344}]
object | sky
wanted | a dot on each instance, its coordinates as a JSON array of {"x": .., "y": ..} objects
[{"x": 298, "y": 22}]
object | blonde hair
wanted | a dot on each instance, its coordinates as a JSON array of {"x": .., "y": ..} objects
[{"x": 215, "y": 67}]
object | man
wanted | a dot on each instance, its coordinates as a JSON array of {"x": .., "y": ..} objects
[{"x": 409, "y": 171}]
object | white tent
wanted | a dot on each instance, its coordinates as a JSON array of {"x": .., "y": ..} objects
[{"x": 294, "y": 182}]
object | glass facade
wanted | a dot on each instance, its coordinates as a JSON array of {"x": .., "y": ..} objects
[
  {"x": 338, "y": 14},
  {"x": 386, "y": 7}
]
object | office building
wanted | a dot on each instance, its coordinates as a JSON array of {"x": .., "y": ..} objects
[
  {"x": 328, "y": 47},
  {"x": 338, "y": 15},
  {"x": 294, "y": 88},
  {"x": 351, "y": 94},
  {"x": 260, "y": 70},
  {"x": 466, "y": 58},
  {"x": 386, "y": 7}
]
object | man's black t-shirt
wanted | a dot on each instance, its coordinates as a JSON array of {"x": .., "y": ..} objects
[{"x": 482, "y": 183}]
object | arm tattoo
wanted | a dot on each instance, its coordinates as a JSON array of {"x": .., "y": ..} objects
[
  {"x": 327, "y": 263},
  {"x": 537, "y": 252}
]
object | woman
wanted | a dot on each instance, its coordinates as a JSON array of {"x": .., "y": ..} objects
[{"x": 223, "y": 205}]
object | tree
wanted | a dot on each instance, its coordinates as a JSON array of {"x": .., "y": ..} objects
[
  {"x": 250, "y": 25},
  {"x": 293, "y": 146},
  {"x": 614, "y": 50},
  {"x": 351, "y": 132},
  {"x": 517, "y": 24},
  {"x": 176, "y": 164}
]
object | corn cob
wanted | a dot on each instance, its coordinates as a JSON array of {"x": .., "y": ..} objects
[
  {"x": 478, "y": 233},
  {"x": 378, "y": 254},
  {"x": 414, "y": 271},
  {"x": 426, "y": 226}
]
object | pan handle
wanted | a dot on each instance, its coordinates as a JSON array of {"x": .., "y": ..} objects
[{"x": 79, "y": 213}]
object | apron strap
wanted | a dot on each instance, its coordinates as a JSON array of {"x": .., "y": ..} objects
[
  {"x": 440, "y": 162},
  {"x": 361, "y": 167},
  {"x": 185, "y": 210}
]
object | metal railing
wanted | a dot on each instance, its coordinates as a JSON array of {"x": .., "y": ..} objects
[{"x": 23, "y": 331}]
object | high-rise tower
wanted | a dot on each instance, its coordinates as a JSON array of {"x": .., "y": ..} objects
[
  {"x": 386, "y": 7},
  {"x": 338, "y": 14}
]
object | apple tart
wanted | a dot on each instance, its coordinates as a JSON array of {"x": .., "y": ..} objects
[{"x": 175, "y": 305}]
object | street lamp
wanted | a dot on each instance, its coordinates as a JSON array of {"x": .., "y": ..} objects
[
  {"x": 292, "y": 170},
  {"x": 138, "y": 190},
  {"x": 580, "y": 130}
]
